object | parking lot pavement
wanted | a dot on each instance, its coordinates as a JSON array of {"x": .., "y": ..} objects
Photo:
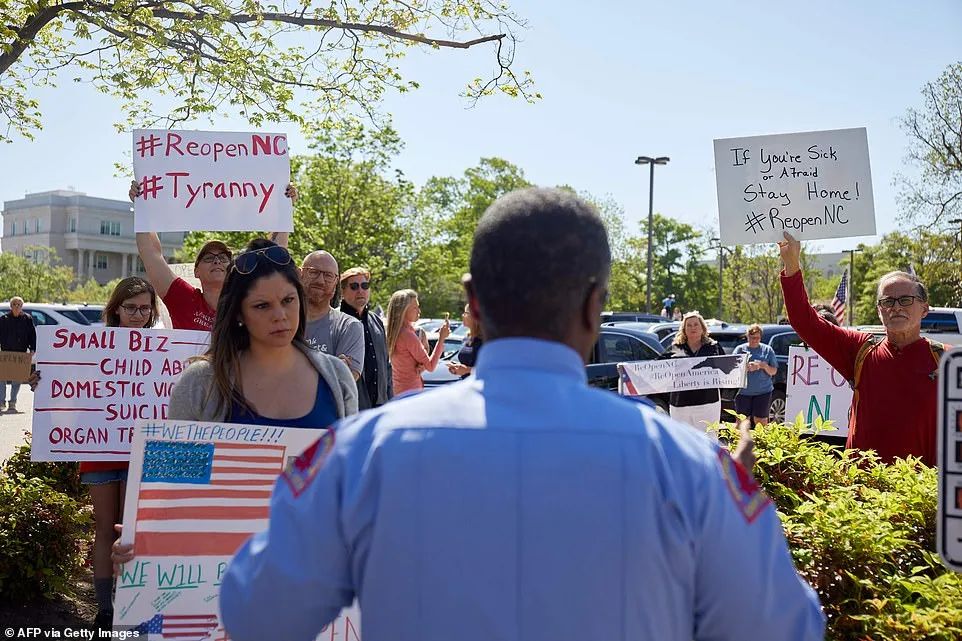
[{"x": 13, "y": 426}]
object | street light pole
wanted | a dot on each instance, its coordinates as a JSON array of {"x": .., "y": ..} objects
[
  {"x": 648, "y": 160},
  {"x": 721, "y": 258},
  {"x": 851, "y": 283}
]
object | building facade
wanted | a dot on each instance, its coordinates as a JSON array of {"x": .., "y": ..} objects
[{"x": 95, "y": 236}]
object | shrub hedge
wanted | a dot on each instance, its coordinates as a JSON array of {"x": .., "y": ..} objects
[{"x": 863, "y": 534}]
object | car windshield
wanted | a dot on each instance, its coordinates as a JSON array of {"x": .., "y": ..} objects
[
  {"x": 91, "y": 314},
  {"x": 75, "y": 316}
]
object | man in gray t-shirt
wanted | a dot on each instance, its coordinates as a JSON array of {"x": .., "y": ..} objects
[
  {"x": 338, "y": 334},
  {"x": 328, "y": 329}
]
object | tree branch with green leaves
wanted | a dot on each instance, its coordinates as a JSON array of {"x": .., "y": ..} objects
[{"x": 294, "y": 61}]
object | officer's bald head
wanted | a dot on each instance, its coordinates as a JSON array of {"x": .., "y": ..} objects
[{"x": 538, "y": 255}]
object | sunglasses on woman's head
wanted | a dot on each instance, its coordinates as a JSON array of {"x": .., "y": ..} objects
[
  {"x": 246, "y": 262},
  {"x": 357, "y": 286}
]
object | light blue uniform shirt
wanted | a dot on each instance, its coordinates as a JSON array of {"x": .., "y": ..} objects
[
  {"x": 521, "y": 505},
  {"x": 759, "y": 382}
]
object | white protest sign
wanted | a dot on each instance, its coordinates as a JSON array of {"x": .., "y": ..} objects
[
  {"x": 211, "y": 181},
  {"x": 681, "y": 374},
  {"x": 195, "y": 493},
  {"x": 815, "y": 389},
  {"x": 949, "y": 530},
  {"x": 816, "y": 184},
  {"x": 96, "y": 382}
]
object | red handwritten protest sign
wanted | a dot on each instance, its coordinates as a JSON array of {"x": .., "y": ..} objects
[
  {"x": 96, "y": 382},
  {"x": 212, "y": 181}
]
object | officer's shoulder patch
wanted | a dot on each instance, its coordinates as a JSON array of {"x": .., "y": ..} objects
[
  {"x": 302, "y": 469},
  {"x": 749, "y": 497}
]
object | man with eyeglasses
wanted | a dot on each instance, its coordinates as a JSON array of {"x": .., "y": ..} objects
[
  {"x": 17, "y": 334},
  {"x": 374, "y": 388},
  {"x": 189, "y": 307},
  {"x": 894, "y": 405},
  {"x": 329, "y": 329}
]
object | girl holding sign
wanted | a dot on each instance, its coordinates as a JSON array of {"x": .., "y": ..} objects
[{"x": 133, "y": 304}]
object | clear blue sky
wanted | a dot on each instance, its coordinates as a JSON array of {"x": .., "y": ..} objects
[{"x": 619, "y": 79}]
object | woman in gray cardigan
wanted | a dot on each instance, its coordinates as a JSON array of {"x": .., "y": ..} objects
[{"x": 258, "y": 369}]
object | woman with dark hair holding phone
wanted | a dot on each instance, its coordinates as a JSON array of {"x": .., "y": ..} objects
[{"x": 258, "y": 369}]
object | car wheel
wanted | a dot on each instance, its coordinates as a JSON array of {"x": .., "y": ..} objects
[
  {"x": 660, "y": 406},
  {"x": 777, "y": 412}
]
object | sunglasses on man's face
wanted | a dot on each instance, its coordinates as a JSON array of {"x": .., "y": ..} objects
[
  {"x": 356, "y": 286},
  {"x": 210, "y": 259},
  {"x": 246, "y": 262}
]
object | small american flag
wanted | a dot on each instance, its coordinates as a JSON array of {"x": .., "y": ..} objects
[
  {"x": 181, "y": 627},
  {"x": 840, "y": 297},
  {"x": 204, "y": 497}
]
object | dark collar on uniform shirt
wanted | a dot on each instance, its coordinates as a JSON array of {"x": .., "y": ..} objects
[
  {"x": 348, "y": 309},
  {"x": 529, "y": 354}
]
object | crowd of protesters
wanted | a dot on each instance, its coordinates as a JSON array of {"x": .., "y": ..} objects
[{"x": 299, "y": 346}]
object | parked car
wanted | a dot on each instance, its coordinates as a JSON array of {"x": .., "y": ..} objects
[
  {"x": 634, "y": 317},
  {"x": 615, "y": 345},
  {"x": 779, "y": 338},
  {"x": 93, "y": 313},
  {"x": 51, "y": 314}
]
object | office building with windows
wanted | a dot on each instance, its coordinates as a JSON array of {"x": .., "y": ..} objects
[{"x": 95, "y": 236}]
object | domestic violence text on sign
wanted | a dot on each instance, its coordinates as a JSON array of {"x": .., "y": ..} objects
[
  {"x": 816, "y": 184},
  {"x": 96, "y": 382},
  {"x": 212, "y": 181}
]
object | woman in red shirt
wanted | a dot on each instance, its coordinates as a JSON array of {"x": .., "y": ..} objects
[
  {"x": 408, "y": 355},
  {"x": 133, "y": 304}
]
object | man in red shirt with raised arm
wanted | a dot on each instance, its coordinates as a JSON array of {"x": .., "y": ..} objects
[{"x": 894, "y": 405}]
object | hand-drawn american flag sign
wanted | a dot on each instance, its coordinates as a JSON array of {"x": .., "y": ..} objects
[
  {"x": 182, "y": 627},
  {"x": 204, "y": 497}
]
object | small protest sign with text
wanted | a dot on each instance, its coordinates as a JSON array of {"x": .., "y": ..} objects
[
  {"x": 96, "y": 382},
  {"x": 211, "y": 181},
  {"x": 816, "y": 184}
]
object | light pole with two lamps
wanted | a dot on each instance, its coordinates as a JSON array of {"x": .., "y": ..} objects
[{"x": 648, "y": 160}]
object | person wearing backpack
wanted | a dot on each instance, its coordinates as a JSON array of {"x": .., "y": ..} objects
[{"x": 895, "y": 378}]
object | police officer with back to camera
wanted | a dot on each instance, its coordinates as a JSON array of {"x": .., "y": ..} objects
[{"x": 520, "y": 503}]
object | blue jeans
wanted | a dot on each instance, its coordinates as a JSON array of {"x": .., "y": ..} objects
[{"x": 14, "y": 390}]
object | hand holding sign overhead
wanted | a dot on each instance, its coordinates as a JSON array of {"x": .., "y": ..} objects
[
  {"x": 212, "y": 181},
  {"x": 790, "y": 250},
  {"x": 815, "y": 184}
]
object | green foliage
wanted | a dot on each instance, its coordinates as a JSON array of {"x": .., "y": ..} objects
[
  {"x": 60, "y": 476},
  {"x": 39, "y": 279},
  {"x": 301, "y": 62},
  {"x": 42, "y": 536},
  {"x": 935, "y": 257},
  {"x": 862, "y": 533},
  {"x": 92, "y": 292}
]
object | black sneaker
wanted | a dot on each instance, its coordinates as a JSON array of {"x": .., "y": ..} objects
[{"x": 104, "y": 620}]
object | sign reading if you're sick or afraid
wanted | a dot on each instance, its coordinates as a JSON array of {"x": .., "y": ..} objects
[
  {"x": 96, "y": 382},
  {"x": 211, "y": 181},
  {"x": 816, "y": 184}
]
